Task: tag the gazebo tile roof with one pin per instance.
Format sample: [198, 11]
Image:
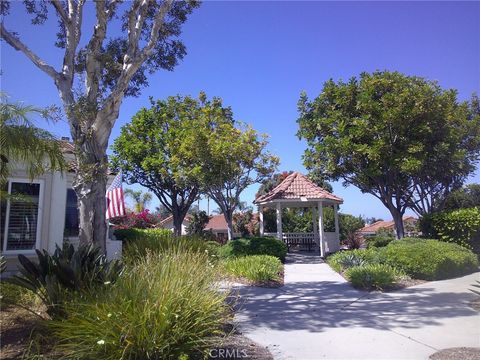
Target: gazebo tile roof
[295, 187]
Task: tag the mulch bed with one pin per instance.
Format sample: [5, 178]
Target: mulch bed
[237, 346]
[463, 353]
[16, 324]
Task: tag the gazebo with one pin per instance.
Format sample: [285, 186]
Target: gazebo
[296, 190]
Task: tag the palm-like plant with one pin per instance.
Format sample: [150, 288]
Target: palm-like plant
[21, 141]
[141, 199]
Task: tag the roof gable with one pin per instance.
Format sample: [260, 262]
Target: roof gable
[295, 187]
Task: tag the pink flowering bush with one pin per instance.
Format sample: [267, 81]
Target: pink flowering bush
[141, 220]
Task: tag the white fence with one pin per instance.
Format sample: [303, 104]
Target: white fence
[331, 240]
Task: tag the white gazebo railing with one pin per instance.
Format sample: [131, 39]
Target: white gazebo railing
[310, 241]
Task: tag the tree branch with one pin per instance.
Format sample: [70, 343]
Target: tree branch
[18, 45]
[93, 70]
[61, 11]
[111, 106]
[73, 33]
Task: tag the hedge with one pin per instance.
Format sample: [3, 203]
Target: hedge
[127, 235]
[254, 246]
[460, 226]
[424, 259]
[429, 259]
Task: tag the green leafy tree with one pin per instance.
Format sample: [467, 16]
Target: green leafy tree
[347, 223]
[400, 138]
[112, 58]
[232, 157]
[140, 198]
[22, 142]
[466, 197]
[149, 150]
[198, 221]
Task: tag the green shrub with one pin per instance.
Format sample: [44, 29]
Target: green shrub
[257, 268]
[372, 276]
[56, 278]
[379, 241]
[161, 243]
[342, 260]
[165, 306]
[254, 246]
[460, 226]
[430, 259]
[127, 235]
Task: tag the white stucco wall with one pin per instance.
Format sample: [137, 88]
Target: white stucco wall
[58, 202]
[169, 225]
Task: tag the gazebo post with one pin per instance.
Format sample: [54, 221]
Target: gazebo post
[315, 224]
[337, 227]
[320, 228]
[260, 218]
[279, 221]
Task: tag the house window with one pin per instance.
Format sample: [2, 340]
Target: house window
[20, 216]
[71, 214]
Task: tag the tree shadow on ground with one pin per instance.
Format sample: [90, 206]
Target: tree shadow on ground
[318, 306]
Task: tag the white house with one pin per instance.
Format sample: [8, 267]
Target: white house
[167, 223]
[49, 218]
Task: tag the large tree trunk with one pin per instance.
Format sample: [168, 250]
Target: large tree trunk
[90, 187]
[398, 220]
[177, 223]
[229, 219]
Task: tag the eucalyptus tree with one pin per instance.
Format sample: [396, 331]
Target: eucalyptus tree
[401, 138]
[128, 40]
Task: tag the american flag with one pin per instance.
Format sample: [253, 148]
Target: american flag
[115, 200]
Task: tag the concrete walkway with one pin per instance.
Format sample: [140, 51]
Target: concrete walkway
[318, 315]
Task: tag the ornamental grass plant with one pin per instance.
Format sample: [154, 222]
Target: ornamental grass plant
[259, 269]
[166, 305]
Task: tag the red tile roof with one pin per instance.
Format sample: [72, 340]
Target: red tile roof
[217, 222]
[296, 186]
[383, 225]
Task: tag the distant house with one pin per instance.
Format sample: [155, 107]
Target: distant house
[409, 223]
[167, 223]
[217, 225]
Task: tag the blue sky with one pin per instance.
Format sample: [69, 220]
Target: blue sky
[259, 56]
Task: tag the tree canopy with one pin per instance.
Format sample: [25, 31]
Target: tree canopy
[229, 157]
[463, 198]
[401, 138]
[149, 150]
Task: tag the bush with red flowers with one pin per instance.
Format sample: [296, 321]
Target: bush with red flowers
[141, 220]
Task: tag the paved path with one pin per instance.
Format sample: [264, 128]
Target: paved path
[317, 315]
